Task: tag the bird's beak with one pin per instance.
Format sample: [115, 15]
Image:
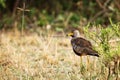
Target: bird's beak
[70, 34]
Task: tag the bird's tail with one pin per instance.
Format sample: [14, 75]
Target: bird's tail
[94, 54]
[91, 52]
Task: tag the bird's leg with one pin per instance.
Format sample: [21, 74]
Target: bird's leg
[81, 60]
[94, 62]
[81, 64]
[87, 63]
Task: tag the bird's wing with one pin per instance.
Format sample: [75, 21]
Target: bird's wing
[79, 45]
[82, 42]
[83, 47]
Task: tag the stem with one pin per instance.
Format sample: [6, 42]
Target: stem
[23, 20]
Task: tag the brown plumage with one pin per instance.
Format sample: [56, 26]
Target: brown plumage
[81, 46]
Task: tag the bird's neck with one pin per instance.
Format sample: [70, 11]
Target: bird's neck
[74, 37]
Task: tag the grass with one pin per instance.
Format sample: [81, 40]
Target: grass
[38, 57]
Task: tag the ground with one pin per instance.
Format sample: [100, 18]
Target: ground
[38, 57]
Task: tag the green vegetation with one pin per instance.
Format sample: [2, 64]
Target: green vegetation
[59, 14]
[107, 41]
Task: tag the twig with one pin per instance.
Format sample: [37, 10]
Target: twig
[99, 3]
[15, 6]
[107, 3]
[97, 15]
[108, 73]
[23, 10]
[105, 9]
[117, 4]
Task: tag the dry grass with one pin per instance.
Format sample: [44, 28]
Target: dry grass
[37, 57]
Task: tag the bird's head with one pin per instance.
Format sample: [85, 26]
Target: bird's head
[75, 33]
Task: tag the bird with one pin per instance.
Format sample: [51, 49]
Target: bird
[81, 46]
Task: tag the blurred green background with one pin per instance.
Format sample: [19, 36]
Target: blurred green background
[57, 14]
